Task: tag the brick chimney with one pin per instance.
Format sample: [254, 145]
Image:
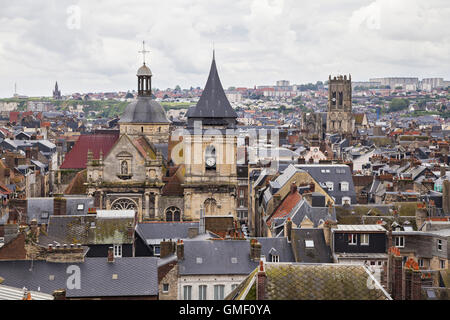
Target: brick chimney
[416, 285]
[180, 250]
[111, 254]
[255, 250]
[166, 248]
[395, 276]
[293, 188]
[288, 229]
[261, 282]
[327, 227]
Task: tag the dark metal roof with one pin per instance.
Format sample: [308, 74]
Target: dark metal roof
[144, 110]
[135, 276]
[213, 105]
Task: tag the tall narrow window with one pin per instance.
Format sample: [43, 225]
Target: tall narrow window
[365, 239]
[219, 290]
[341, 99]
[202, 292]
[117, 251]
[352, 239]
[187, 291]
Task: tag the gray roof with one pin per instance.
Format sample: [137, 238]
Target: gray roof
[213, 106]
[319, 253]
[165, 230]
[317, 215]
[40, 209]
[216, 257]
[144, 110]
[135, 276]
[276, 246]
[332, 176]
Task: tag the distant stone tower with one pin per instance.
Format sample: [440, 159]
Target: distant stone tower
[56, 92]
[339, 113]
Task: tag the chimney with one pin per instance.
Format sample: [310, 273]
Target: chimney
[166, 248]
[130, 231]
[261, 282]
[111, 254]
[288, 229]
[395, 276]
[180, 250]
[327, 227]
[59, 294]
[294, 188]
[416, 285]
[192, 232]
[255, 250]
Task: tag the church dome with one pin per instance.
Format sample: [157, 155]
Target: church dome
[144, 71]
[144, 110]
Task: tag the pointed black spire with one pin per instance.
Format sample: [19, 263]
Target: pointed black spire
[213, 108]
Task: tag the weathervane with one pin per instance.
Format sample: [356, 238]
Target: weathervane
[143, 51]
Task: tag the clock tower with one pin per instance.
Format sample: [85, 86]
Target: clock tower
[210, 153]
[339, 113]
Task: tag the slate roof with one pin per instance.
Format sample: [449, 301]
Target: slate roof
[90, 230]
[276, 246]
[216, 257]
[135, 276]
[39, 209]
[144, 110]
[294, 281]
[213, 106]
[77, 157]
[319, 253]
[165, 230]
[322, 177]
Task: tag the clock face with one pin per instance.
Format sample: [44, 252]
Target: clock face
[210, 162]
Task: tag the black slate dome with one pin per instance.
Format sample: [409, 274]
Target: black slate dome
[144, 110]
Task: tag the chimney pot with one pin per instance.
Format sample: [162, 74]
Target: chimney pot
[111, 254]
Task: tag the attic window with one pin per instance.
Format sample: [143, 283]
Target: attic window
[309, 243]
[199, 260]
[115, 276]
[44, 215]
[233, 260]
[51, 277]
[92, 225]
[80, 206]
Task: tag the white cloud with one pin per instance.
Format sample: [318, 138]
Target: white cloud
[257, 42]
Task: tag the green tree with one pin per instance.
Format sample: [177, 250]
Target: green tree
[398, 104]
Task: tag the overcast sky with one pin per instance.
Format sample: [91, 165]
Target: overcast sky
[92, 46]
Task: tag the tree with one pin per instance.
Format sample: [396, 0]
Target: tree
[398, 104]
[177, 88]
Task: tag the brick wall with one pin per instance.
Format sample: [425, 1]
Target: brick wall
[15, 249]
[168, 274]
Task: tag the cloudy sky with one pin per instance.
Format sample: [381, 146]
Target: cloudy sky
[91, 46]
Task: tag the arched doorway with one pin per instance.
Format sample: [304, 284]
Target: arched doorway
[210, 206]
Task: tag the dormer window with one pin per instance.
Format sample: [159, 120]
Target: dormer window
[330, 185]
[344, 186]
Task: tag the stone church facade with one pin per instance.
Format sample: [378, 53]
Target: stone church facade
[339, 113]
[137, 172]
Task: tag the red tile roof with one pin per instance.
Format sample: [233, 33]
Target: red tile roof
[286, 206]
[77, 157]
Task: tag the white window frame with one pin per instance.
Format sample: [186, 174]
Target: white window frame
[363, 238]
[159, 251]
[117, 251]
[275, 258]
[219, 292]
[330, 185]
[399, 244]
[163, 288]
[187, 292]
[309, 243]
[346, 184]
[202, 292]
[441, 264]
[354, 240]
[421, 263]
[80, 206]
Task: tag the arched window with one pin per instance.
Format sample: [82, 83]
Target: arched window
[123, 204]
[210, 206]
[173, 214]
[210, 158]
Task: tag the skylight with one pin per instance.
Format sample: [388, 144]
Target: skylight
[309, 243]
